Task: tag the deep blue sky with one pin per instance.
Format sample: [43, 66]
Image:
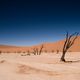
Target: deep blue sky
[29, 22]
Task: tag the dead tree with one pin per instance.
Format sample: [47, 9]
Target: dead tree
[0, 52]
[40, 51]
[28, 52]
[57, 51]
[70, 39]
[36, 51]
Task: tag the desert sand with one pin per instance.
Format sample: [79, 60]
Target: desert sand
[46, 66]
[19, 63]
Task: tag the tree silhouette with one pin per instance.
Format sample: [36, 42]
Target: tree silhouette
[70, 39]
[0, 52]
[40, 51]
[36, 51]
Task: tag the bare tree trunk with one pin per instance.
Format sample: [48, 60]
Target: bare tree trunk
[40, 50]
[37, 51]
[63, 56]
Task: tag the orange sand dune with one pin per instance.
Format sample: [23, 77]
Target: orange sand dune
[49, 47]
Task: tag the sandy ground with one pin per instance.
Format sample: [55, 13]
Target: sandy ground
[39, 67]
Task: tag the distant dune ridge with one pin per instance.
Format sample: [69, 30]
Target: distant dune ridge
[48, 47]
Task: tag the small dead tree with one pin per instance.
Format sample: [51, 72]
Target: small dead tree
[40, 51]
[52, 51]
[70, 39]
[0, 52]
[57, 51]
[28, 52]
[36, 51]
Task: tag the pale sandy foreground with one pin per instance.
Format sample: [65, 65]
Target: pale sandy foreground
[40, 67]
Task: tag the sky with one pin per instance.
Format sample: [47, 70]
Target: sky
[31, 22]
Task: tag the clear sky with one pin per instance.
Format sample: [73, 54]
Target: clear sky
[29, 22]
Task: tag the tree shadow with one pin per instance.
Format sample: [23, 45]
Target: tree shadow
[72, 61]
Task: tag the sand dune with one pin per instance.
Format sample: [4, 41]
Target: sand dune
[49, 47]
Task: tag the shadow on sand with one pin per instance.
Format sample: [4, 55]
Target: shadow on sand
[72, 61]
